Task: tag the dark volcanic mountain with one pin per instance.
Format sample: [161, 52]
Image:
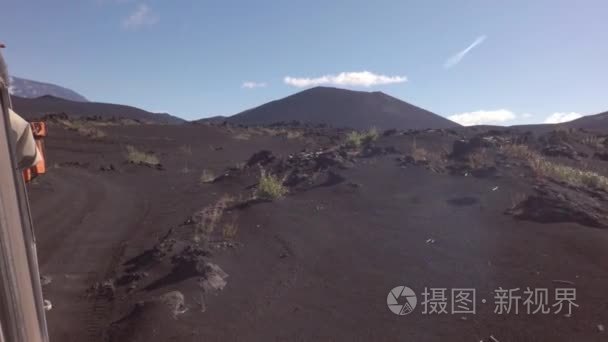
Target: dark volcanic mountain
[343, 108]
[31, 89]
[38, 107]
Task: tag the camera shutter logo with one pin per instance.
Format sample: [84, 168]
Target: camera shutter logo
[401, 300]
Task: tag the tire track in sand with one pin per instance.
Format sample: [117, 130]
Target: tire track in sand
[81, 226]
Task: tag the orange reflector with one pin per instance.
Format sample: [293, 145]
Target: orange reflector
[39, 130]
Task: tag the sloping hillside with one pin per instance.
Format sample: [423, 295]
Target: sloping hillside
[594, 122]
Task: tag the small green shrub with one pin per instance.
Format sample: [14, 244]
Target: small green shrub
[358, 139]
[354, 139]
[371, 135]
[270, 187]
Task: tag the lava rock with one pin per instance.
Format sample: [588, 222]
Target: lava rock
[262, 157]
[551, 205]
[562, 150]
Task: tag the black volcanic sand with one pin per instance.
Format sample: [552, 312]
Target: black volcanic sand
[114, 237]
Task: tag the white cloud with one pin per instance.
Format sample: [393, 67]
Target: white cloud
[483, 117]
[455, 59]
[362, 78]
[562, 117]
[142, 16]
[252, 85]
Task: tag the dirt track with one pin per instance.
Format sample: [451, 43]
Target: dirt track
[89, 217]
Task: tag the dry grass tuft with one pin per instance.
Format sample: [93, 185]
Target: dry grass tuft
[138, 157]
[242, 136]
[480, 159]
[518, 151]
[270, 187]
[207, 177]
[187, 151]
[595, 142]
[208, 218]
[371, 135]
[83, 128]
[420, 154]
[357, 139]
[570, 175]
[294, 134]
[268, 131]
[229, 230]
[558, 172]
[91, 132]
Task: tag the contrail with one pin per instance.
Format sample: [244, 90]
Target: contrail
[459, 56]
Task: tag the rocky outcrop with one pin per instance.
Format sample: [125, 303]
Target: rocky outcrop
[550, 204]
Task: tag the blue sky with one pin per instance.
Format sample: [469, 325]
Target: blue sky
[505, 62]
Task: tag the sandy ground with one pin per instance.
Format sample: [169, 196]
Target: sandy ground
[316, 265]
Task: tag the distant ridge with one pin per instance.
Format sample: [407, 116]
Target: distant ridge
[38, 107]
[31, 89]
